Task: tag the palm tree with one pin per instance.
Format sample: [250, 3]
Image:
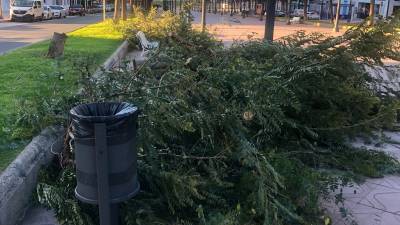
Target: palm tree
[270, 20]
[336, 26]
[371, 12]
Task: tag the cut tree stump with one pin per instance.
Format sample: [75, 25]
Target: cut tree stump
[56, 48]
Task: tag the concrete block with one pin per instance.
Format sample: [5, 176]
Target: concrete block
[19, 180]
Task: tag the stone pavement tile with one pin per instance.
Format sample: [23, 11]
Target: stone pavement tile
[390, 219]
[377, 198]
[394, 136]
[393, 181]
[390, 201]
[39, 216]
[369, 218]
[340, 213]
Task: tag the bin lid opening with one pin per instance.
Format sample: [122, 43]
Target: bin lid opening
[103, 110]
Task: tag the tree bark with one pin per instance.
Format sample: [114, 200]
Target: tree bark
[104, 10]
[116, 10]
[1, 11]
[147, 4]
[371, 12]
[270, 20]
[336, 26]
[287, 13]
[331, 10]
[350, 15]
[56, 48]
[123, 9]
[305, 10]
[203, 15]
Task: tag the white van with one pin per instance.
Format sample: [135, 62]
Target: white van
[29, 10]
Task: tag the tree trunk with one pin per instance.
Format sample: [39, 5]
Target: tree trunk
[203, 15]
[336, 26]
[350, 15]
[287, 13]
[116, 10]
[331, 10]
[305, 10]
[270, 20]
[56, 48]
[147, 4]
[104, 10]
[371, 12]
[130, 6]
[123, 9]
[1, 11]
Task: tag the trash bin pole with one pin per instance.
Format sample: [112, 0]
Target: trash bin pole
[106, 217]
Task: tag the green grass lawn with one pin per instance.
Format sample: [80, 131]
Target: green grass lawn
[26, 72]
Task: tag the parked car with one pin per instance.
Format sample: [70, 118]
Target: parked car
[77, 10]
[29, 10]
[313, 16]
[66, 8]
[58, 11]
[279, 13]
[47, 12]
[298, 12]
[95, 9]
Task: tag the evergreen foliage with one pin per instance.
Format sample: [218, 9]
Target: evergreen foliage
[252, 134]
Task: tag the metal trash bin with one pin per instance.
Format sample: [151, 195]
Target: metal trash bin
[104, 137]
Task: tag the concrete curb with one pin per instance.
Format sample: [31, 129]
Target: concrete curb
[19, 180]
[114, 59]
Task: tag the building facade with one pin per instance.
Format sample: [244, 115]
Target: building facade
[352, 10]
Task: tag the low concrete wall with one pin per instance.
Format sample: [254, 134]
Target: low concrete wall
[114, 60]
[19, 180]
[117, 56]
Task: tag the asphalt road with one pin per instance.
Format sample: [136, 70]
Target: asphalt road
[14, 35]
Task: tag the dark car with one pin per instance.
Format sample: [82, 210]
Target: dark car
[76, 10]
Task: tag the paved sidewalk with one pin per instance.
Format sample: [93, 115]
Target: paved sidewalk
[374, 202]
[229, 28]
[39, 216]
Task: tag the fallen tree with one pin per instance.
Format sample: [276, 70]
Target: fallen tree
[253, 134]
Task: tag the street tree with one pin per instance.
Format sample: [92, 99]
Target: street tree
[1, 11]
[331, 10]
[270, 20]
[203, 15]
[116, 10]
[336, 25]
[287, 13]
[371, 12]
[123, 9]
[305, 9]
